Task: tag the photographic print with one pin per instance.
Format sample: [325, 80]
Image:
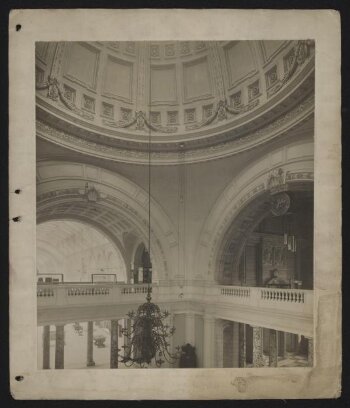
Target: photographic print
[175, 210]
[193, 132]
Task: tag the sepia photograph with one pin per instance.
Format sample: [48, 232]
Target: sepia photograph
[176, 192]
[175, 204]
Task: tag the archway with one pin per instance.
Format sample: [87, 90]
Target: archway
[245, 202]
[110, 203]
[79, 252]
[264, 249]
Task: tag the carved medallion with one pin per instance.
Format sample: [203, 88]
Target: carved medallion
[280, 204]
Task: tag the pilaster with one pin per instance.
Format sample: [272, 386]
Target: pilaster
[258, 360]
[114, 344]
[273, 348]
[46, 347]
[242, 345]
[208, 355]
[90, 344]
[59, 351]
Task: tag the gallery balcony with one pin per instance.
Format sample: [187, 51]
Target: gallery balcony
[288, 310]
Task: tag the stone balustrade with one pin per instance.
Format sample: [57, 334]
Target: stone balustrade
[235, 291]
[290, 309]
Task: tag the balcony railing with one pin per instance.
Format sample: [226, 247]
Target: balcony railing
[279, 306]
[235, 291]
[74, 293]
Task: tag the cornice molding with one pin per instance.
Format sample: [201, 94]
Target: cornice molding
[233, 144]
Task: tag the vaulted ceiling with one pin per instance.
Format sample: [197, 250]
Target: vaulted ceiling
[204, 98]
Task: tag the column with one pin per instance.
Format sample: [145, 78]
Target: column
[208, 346]
[182, 231]
[282, 344]
[114, 344]
[171, 338]
[273, 348]
[190, 328]
[310, 351]
[59, 352]
[258, 360]
[242, 345]
[46, 347]
[90, 345]
[173, 363]
[235, 345]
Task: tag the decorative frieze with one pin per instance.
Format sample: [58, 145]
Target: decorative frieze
[236, 100]
[69, 93]
[293, 61]
[125, 114]
[114, 44]
[208, 111]
[185, 47]
[173, 118]
[130, 47]
[154, 51]
[155, 118]
[57, 94]
[289, 59]
[89, 103]
[276, 179]
[139, 122]
[194, 151]
[107, 110]
[190, 115]
[169, 50]
[199, 45]
[221, 113]
[253, 91]
[271, 77]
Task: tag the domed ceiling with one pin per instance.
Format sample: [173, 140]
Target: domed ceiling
[107, 98]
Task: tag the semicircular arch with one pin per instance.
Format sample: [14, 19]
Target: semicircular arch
[121, 208]
[243, 203]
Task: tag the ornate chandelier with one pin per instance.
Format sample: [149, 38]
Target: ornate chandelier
[147, 339]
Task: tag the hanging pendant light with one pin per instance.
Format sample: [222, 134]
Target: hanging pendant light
[289, 239]
[147, 340]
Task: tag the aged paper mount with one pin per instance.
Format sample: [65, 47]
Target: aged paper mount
[321, 381]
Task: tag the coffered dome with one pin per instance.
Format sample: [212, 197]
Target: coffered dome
[109, 96]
